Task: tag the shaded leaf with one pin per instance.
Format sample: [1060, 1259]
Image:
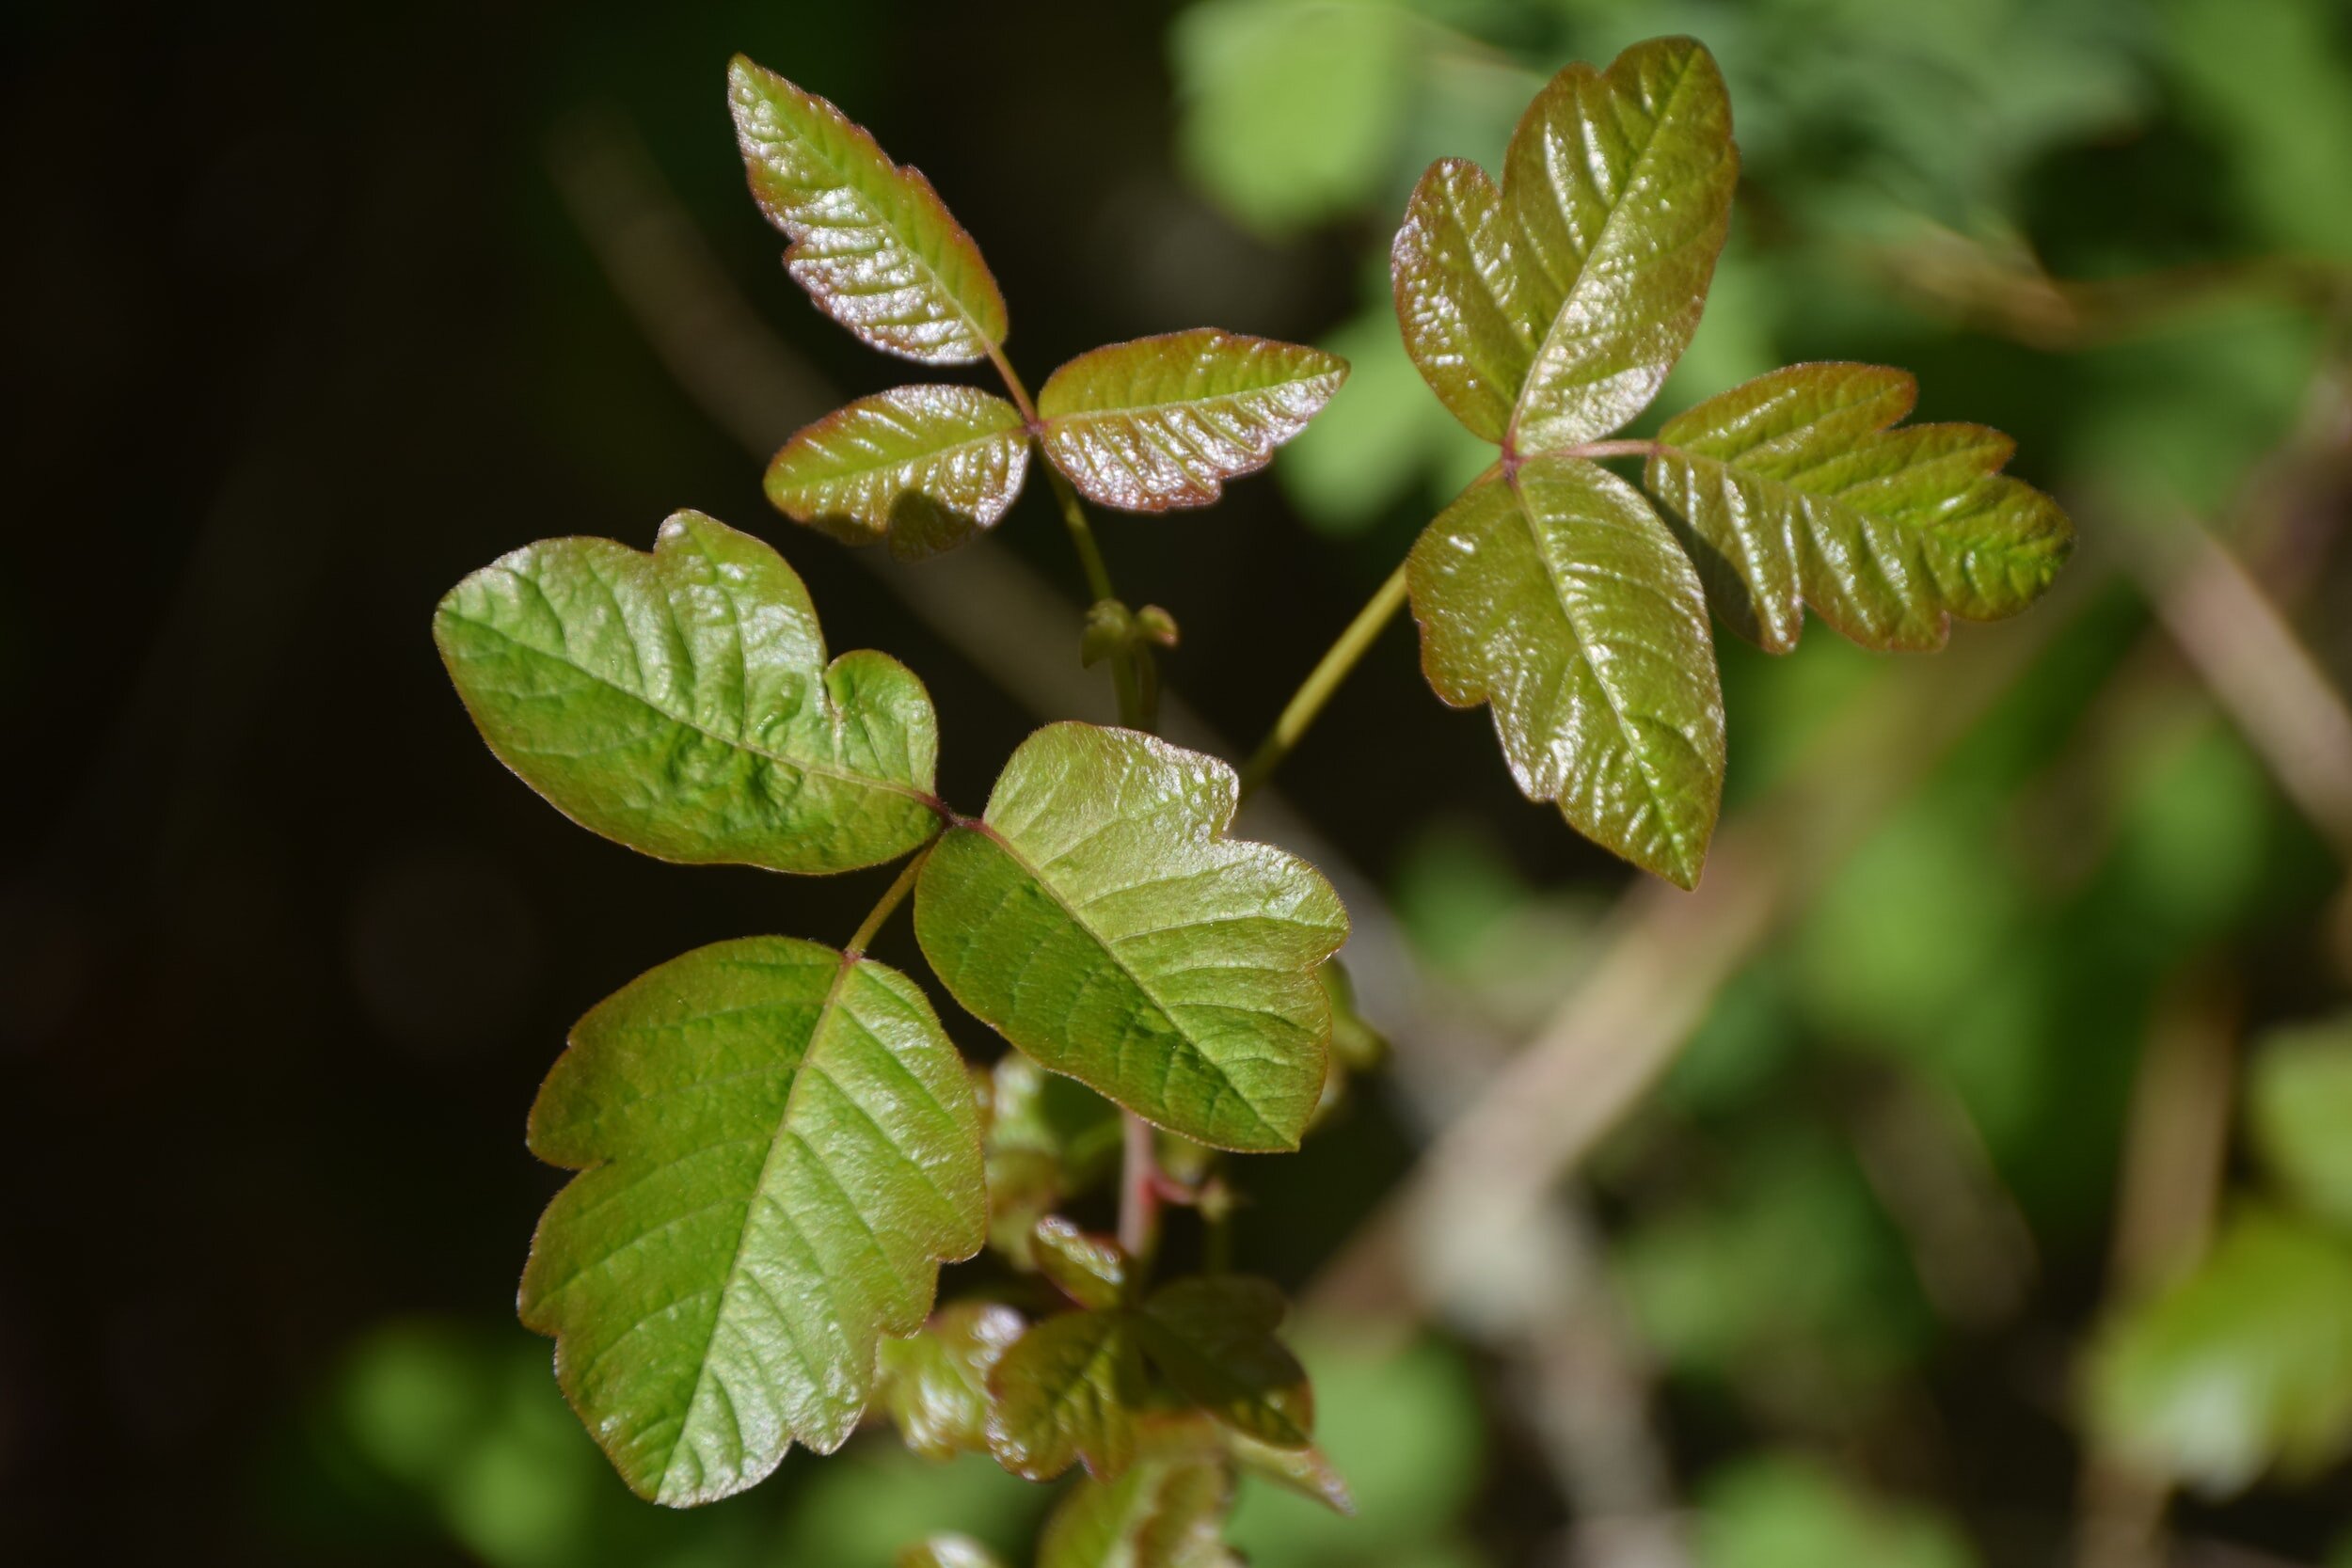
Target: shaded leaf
[871, 241]
[1091, 1270]
[1558, 598]
[1798, 493]
[2244, 1364]
[923, 467]
[935, 1383]
[1355, 1044]
[777, 1146]
[1619, 184]
[1099, 919]
[2299, 1100]
[1307, 1471]
[1166, 1511]
[1548, 310]
[1213, 1336]
[1049, 1138]
[1066, 1392]
[680, 703]
[948, 1551]
[1162, 423]
[1783, 1511]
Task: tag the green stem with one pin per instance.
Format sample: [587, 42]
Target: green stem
[894, 895]
[1306, 704]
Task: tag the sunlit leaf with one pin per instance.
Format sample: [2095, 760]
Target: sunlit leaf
[1557, 597]
[948, 1551]
[1098, 918]
[871, 241]
[1166, 1511]
[923, 467]
[680, 702]
[935, 1383]
[1090, 1270]
[2244, 1364]
[1548, 310]
[1163, 422]
[1213, 1336]
[1068, 1392]
[1799, 493]
[777, 1146]
[2300, 1099]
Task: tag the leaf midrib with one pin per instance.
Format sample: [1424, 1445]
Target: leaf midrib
[994, 835]
[922, 797]
[1608, 227]
[1138, 410]
[1010, 437]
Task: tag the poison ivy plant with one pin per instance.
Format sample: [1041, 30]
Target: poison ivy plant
[778, 1144]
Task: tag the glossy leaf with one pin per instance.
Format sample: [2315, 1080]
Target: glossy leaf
[2244, 1364]
[1619, 184]
[922, 466]
[1558, 598]
[1548, 310]
[777, 1146]
[948, 1551]
[1090, 1270]
[1307, 1471]
[1213, 1336]
[1069, 1392]
[2299, 1101]
[1101, 921]
[1166, 1511]
[1162, 423]
[680, 702]
[935, 1383]
[871, 241]
[1797, 492]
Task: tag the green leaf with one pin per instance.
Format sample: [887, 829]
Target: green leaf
[777, 1146]
[871, 241]
[680, 703]
[923, 467]
[1213, 1336]
[1166, 1511]
[1162, 423]
[948, 1551]
[1548, 310]
[1556, 595]
[1307, 1471]
[2244, 1364]
[1100, 920]
[935, 1383]
[1091, 1270]
[1049, 1138]
[2299, 1100]
[1355, 1044]
[1796, 492]
[1069, 1392]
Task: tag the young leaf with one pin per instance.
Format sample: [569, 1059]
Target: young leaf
[1049, 1138]
[948, 1551]
[680, 703]
[1163, 422]
[777, 1146]
[1213, 1336]
[1168, 1510]
[1068, 1392]
[923, 467]
[1549, 310]
[1556, 595]
[1307, 1471]
[2244, 1364]
[871, 241]
[1799, 493]
[1101, 921]
[935, 1383]
[1090, 1270]
[1619, 184]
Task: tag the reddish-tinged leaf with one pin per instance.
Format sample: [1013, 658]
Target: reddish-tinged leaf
[1213, 1336]
[1556, 595]
[1168, 1510]
[924, 466]
[1162, 423]
[935, 1383]
[1090, 1270]
[871, 241]
[1066, 1392]
[1469, 322]
[1797, 492]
